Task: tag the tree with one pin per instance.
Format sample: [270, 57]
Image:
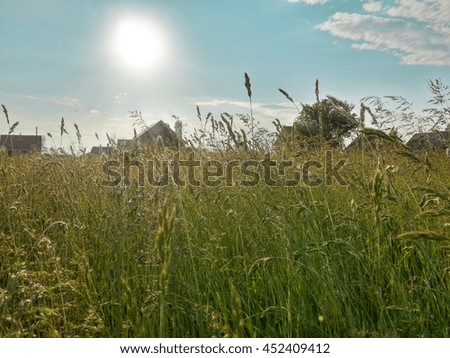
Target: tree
[330, 119]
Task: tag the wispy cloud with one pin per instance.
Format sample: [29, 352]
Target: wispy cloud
[416, 31]
[245, 104]
[224, 102]
[265, 113]
[62, 101]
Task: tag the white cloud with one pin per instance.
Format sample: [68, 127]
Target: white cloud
[310, 2]
[62, 101]
[265, 113]
[434, 13]
[417, 31]
[373, 6]
[244, 104]
[227, 102]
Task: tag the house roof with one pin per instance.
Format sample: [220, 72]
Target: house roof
[439, 140]
[151, 134]
[155, 128]
[21, 143]
[121, 143]
[101, 150]
[369, 140]
[158, 129]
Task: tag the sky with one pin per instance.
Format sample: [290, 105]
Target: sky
[92, 62]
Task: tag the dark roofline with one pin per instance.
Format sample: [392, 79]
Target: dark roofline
[18, 143]
[432, 134]
[21, 135]
[100, 150]
[438, 139]
[153, 126]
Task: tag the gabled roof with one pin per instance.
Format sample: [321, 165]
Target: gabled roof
[122, 143]
[439, 140]
[158, 133]
[375, 139]
[158, 129]
[368, 141]
[101, 150]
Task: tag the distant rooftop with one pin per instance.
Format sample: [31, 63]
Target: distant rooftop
[20, 144]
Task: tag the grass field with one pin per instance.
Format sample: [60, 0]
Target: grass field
[366, 259]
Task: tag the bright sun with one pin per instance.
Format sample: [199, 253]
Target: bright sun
[138, 44]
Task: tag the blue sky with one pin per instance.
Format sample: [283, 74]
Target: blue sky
[61, 58]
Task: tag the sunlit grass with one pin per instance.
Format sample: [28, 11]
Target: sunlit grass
[81, 259]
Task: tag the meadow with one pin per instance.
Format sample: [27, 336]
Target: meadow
[79, 258]
[254, 240]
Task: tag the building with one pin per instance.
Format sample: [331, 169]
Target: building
[21, 144]
[101, 150]
[123, 143]
[367, 142]
[377, 141]
[436, 140]
[159, 134]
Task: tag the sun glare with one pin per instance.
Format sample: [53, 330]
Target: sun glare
[138, 44]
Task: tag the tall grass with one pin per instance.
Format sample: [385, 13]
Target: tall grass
[368, 259]
[80, 259]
